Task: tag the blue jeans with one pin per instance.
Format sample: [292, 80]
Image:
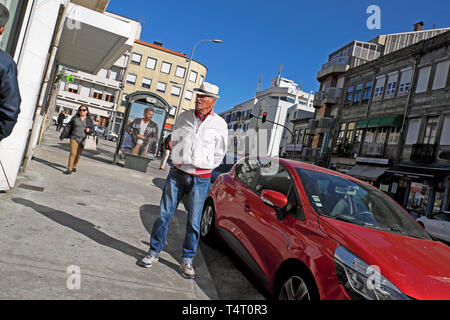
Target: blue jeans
[177, 185]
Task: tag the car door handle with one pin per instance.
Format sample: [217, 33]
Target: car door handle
[247, 208]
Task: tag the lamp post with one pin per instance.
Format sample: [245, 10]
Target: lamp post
[187, 73]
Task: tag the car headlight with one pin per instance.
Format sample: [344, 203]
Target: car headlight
[363, 281]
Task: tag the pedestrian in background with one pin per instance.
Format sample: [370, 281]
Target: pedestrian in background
[60, 122]
[199, 140]
[167, 148]
[10, 99]
[77, 131]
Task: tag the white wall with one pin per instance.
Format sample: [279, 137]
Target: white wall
[31, 65]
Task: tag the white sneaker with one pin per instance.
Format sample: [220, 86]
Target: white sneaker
[148, 261]
[187, 271]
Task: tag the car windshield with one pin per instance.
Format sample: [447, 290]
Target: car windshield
[356, 203]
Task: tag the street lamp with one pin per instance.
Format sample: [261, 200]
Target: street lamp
[187, 73]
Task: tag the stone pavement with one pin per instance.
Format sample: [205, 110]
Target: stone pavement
[98, 220]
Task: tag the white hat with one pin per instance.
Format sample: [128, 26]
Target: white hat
[208, 89]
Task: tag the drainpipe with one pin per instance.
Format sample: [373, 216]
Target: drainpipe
[37, 123]
[405, 114]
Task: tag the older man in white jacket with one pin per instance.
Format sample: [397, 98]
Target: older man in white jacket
[199, 141]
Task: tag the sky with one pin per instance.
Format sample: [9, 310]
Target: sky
[260, 36]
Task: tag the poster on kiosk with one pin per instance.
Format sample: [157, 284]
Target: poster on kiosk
[144, 124]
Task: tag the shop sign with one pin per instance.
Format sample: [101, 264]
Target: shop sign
[372, 160]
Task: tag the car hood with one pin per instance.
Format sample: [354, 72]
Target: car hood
[419, 268]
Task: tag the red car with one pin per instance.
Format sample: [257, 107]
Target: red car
[311, 233]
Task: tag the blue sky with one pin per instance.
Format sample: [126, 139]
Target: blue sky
[259, 36]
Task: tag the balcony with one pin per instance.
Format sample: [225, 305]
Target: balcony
[328, 96]
[325, 124]
[338, 65]
[424, 153]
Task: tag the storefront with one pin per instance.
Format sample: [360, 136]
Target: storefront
[421, 191]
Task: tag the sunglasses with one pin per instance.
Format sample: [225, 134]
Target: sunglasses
[83, 110]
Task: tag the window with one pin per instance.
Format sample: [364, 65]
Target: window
[270, 179]
[381, 136]
[188, 95]
[370, 136]
[131, 78]
[445, 135]
[247, 171]
[109, 97]
[193, 76]
[422, 81]
[357, 95]
[165, 68]
[180, 72]
[379, 89]
[136, 58]
[124, 100]
[392, 85]
[73, 88]
[161, 87]
[413, 131]
[202, 78]
[350, 129]
[349, 94]
[405, 82]
[146, 83]
[358, 136]
[430, 130]
[368, 91]
[440, 77]
[97, 95]
[394, 136]
[176, 91]
[151, 63]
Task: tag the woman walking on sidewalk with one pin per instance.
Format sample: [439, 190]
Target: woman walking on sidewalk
[77, 131]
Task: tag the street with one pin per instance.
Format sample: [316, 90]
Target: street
[97, 222]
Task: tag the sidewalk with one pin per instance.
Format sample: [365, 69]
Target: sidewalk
[99, 220]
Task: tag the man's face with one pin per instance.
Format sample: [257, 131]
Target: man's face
[149, 115]
[204, 104]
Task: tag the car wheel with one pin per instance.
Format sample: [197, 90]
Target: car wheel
[207, 223]
[296, 285]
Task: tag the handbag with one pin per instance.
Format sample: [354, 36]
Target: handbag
[90, 144]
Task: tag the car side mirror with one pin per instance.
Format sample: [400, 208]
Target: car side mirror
[276, 200]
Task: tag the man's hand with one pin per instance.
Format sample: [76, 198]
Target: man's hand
[61, 140]
[87, 130]
[140, 136]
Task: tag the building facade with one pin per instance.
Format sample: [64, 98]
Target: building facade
[42, 35]
[156, 69]
[281, 101]
[394, 132]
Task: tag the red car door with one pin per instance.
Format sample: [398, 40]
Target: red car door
[270, 239]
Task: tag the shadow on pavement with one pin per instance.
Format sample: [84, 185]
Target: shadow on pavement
[53, 165]
[90, 154]
[159, 182]
[84, 227]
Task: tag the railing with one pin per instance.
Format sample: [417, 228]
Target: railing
[326, 123]
[423, 153]
[335, 62]
[375, 150]
[330, 95]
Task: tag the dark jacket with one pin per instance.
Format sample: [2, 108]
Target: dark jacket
[61, 118]
[151, 131]
[9, 95]
[69, 129]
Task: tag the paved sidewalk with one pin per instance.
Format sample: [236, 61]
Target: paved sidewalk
[99, 220]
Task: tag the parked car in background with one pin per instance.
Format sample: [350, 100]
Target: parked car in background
[437, 225]
[99, 131]
[66, 120]
[311, 233]
[112, 136]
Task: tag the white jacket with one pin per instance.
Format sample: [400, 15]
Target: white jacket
[199, 148]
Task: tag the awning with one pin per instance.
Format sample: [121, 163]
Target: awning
[419, 172]
[371, 173]
[392, 121]
[362, 124]
[375, 123]
[91, 40]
